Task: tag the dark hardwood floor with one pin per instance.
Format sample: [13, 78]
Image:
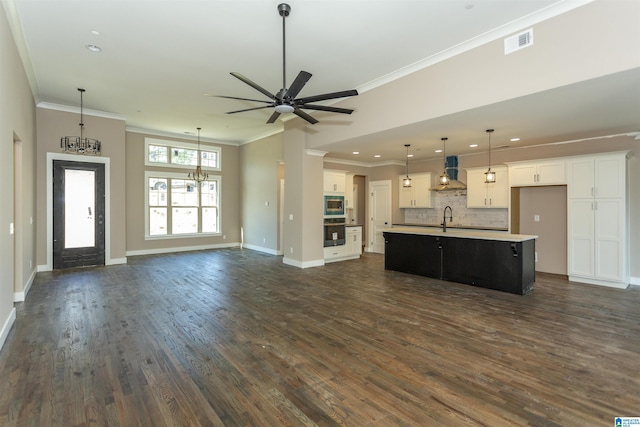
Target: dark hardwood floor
[236, 338]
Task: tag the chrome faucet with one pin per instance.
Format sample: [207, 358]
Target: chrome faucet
[444, 218]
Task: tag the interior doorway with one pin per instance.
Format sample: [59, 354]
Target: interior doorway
[78, 214]
[380, 214]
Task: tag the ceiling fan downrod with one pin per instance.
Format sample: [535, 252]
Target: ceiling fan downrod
[284, 10]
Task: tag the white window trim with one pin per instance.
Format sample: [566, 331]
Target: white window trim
[174, 175]
[180, 144]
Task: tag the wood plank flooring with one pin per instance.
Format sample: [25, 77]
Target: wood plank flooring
[235, 338]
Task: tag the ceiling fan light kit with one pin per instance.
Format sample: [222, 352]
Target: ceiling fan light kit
[285, 101]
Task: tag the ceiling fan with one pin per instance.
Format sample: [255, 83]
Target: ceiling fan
[285, 100]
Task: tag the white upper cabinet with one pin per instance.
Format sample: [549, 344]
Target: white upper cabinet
[334, 181]
[484, 195]
[544, 172]
[601, 176]
[418, 195]
[348, 191]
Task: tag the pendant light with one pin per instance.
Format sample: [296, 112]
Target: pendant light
[198, 176]
[406, 182]
[444, 178]
[80, 144]
[489, 175]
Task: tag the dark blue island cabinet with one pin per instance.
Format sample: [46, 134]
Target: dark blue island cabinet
[504, 262]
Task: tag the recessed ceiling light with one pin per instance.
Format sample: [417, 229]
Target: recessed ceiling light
[409, 155]
[376, 155]
[94, 48]
[438, 151]
[514, 139]
[473, 145]
[95, 32]
[356, 152]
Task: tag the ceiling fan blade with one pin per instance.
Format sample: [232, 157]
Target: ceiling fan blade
[253, 85]
[326, 108]
[242, 99]
[297, 85]
[298, 112]
[326, 96]
[249, 109]
[273, 117]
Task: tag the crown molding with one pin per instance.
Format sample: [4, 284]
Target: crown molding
[88, 112]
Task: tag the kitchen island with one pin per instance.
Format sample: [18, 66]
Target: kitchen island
[493, 260]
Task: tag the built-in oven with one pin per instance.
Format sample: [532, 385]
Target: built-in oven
[333, 205]
[334, 231]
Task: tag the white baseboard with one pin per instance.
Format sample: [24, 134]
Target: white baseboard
[305, 264]
[20, 296]
[635, 281]
[182, 249]
[43, 267]
[116, 261]
[4, 332]
[598, 282]
[260, 249]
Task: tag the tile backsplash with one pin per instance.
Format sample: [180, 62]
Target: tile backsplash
[462, 216]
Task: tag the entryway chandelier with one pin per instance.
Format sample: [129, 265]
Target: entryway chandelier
[198, 176]
[80, 144]
[406, 182]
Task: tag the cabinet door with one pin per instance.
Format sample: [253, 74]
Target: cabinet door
[522, 175]
[421, 194]
[610, 177]
[348, 191]
[498, 192]
[609, 219]
[551, 172]
[334, 182]
[354, 240]
[581, 237]
[405, 194]
[581, 178]
[476, 189]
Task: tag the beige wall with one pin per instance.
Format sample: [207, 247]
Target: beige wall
[230, 194]
[261, 171]
[549, 203]
[52, 125]
[17, 179]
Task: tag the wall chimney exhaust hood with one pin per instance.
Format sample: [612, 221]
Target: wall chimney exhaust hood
[451, 167]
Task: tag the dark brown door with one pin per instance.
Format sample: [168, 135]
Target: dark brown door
[78, 214]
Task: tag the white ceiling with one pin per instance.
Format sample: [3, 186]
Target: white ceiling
[159, 59]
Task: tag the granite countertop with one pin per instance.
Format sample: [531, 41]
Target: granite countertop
[461, 233]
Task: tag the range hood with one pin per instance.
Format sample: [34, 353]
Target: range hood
[451, 166]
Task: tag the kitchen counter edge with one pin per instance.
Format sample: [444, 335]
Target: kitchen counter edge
[462, 234]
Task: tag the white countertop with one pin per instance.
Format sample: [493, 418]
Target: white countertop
[462, 233]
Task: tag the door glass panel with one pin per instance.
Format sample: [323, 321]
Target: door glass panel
[79, 215]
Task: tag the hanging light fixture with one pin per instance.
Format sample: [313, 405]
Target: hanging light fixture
[198, 176]
[444, 178]
[80, 144]
[489, 175]
[406, 182]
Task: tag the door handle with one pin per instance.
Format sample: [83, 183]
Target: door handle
[89, 207]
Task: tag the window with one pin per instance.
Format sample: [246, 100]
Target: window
[178, 207]
[176, 154]
[175, 205]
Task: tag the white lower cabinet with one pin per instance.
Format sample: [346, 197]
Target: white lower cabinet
[352, 249]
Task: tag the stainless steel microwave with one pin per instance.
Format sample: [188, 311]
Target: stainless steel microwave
[334, 205]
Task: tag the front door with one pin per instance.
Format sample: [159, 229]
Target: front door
[78, 214]
[380, 208]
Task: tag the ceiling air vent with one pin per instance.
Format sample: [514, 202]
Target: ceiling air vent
[519, 41]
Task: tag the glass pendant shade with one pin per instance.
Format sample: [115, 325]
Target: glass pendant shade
[198, 176]
[406, 182]
[489, 175]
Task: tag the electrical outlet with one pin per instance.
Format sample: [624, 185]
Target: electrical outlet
[11, 228]
[536, 218]
[290, 217]
[290, 250]
[224, 237]
[264, 240]
[266, 203]
[536, 256]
